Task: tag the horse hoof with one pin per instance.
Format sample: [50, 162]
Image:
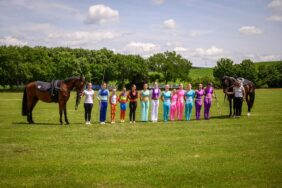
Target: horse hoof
[249, 114]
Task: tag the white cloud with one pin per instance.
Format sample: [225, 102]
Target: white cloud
[158, 1]
[8, 40]
[169, 24]
[250, 30]
[101, 14]
[180, 49]
[276, 5]
[141, 48]
[276, 18]
[78, 38]
[276, 8]
[212, 51]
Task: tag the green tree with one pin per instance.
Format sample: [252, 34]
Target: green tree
[223, 68]
[173, 66]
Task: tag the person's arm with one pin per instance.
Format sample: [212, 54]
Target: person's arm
[98, 95]
[162, 97]
[141, 96]
[244, 93]
[110, 99]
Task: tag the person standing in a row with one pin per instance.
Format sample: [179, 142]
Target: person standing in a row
[208, 92]
[166, 97]
[189, 98]
[180, 101]
[113, 102]
[145, 103]
[122, 100]
[103, 94]
[173, 106]
[88, 103]
[132, 96]
[199, 101]
[156, 92]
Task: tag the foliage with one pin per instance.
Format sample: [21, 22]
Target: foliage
[171, 65]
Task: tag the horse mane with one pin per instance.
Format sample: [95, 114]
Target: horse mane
[72, 78]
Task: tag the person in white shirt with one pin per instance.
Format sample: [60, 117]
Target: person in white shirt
[239, 95]
[88, 103]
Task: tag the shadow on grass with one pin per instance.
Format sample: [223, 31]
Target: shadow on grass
[25, 123]
[220, 117]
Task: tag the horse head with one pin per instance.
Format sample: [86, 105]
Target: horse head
[79, 87]
[227, 83]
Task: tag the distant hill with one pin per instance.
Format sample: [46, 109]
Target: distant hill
[267, 63]
[198, 72]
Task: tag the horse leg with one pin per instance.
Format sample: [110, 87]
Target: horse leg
[61, 112]
[65, 114]
[34, 101]
[230, 106]
[248, 103]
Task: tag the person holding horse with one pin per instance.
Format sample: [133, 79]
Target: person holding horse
[155, 94]
[145, 103]
[132, 96]
[166, 97]
[88, 103]
[189, 98]
[209, 94]
[198, 101]
[239, 95]
[103, 95]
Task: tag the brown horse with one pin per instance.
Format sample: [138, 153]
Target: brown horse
[33, 92]
[249, 86]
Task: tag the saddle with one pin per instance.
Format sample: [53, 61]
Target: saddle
[243, 81]
[53, 88]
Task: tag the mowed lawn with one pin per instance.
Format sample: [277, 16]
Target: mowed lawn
[220, 152]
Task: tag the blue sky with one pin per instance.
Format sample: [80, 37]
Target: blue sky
[201, 30]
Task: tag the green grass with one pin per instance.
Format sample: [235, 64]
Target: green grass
[200, 72]
[221, 152]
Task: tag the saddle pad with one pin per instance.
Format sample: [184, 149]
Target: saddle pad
[43, 86]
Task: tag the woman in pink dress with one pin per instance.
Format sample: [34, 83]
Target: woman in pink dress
[180, 101]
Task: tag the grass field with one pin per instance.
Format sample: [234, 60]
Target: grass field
[200, 72]
[220, 152]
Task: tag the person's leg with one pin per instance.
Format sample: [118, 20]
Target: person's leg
[164, 112]
[206, 108]
[134, 110]
[85, 111]
[190, 107]
[142, 111]
[130, 111]
[171, 112]
[181, 111]
[156, 110]
[153, 111]
[147, 104]
[197, 110]
[240, 106]
[105, 105]
[89, 112]
[186, 110]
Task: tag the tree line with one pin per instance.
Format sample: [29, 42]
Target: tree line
[22, 64]
[262, 75]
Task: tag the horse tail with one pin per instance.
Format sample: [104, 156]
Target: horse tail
[252, 98]
[24, 103]
[224, 97]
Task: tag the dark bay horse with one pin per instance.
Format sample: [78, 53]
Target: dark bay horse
[33, 92]
[249, 86]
